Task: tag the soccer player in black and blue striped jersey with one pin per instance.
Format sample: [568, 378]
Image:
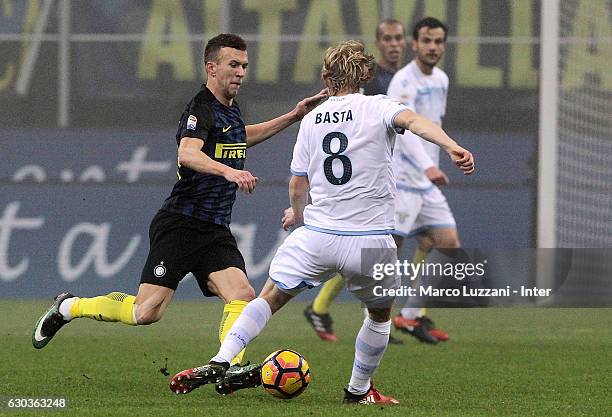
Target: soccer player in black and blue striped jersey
[190, 233]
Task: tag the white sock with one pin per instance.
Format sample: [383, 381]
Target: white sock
[247, 326]
[64, 307]
[410, 312]
[370, 346]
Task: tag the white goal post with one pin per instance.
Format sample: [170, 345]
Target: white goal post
[548, 118]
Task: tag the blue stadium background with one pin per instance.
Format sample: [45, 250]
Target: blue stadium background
[78, 193]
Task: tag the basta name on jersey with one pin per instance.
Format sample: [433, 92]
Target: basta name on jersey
[334, 117]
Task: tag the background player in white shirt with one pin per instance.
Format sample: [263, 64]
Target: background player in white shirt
[342, 157]
[421, 209]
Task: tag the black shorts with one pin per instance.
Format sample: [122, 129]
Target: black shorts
[181, 244]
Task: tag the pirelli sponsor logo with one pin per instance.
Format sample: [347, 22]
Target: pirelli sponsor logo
[230, 150]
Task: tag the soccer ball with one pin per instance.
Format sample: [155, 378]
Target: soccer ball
[285, 374]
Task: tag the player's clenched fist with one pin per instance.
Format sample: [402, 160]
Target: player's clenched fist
[463, 159]
[245, 180]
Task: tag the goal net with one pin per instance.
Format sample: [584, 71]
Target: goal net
[575, 150]
[584, 176]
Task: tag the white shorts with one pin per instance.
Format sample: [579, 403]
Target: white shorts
[308, 258]
[416, 212]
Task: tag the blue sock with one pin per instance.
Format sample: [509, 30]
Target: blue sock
[370, 347]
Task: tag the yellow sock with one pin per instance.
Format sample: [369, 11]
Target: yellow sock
[231, 311]
[112, 307]
[419, 256]
[327, 295]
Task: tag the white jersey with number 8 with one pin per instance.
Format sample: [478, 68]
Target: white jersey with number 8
[345, 147]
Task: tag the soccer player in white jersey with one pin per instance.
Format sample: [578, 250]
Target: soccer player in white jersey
[421, 209]
[419, 200]
[391, 43]
[342, 157]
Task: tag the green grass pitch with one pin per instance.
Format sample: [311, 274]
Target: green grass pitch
[499, 362]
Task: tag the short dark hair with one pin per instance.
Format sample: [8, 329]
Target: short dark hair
[388, 22]
[224, 40]
[428, 22]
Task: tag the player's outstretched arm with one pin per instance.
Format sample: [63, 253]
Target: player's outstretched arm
[190, 155]
[299, 186]
[261, 131]
[431, 132]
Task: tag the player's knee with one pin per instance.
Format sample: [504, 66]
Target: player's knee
[450, 241]
[426, 243]
[247, 294]
[145, 316]
[455, 243]
[244, 292]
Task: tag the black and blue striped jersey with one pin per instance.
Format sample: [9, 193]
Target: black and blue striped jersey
[209, 197]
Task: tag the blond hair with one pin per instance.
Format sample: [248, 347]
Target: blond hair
[347, 66]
